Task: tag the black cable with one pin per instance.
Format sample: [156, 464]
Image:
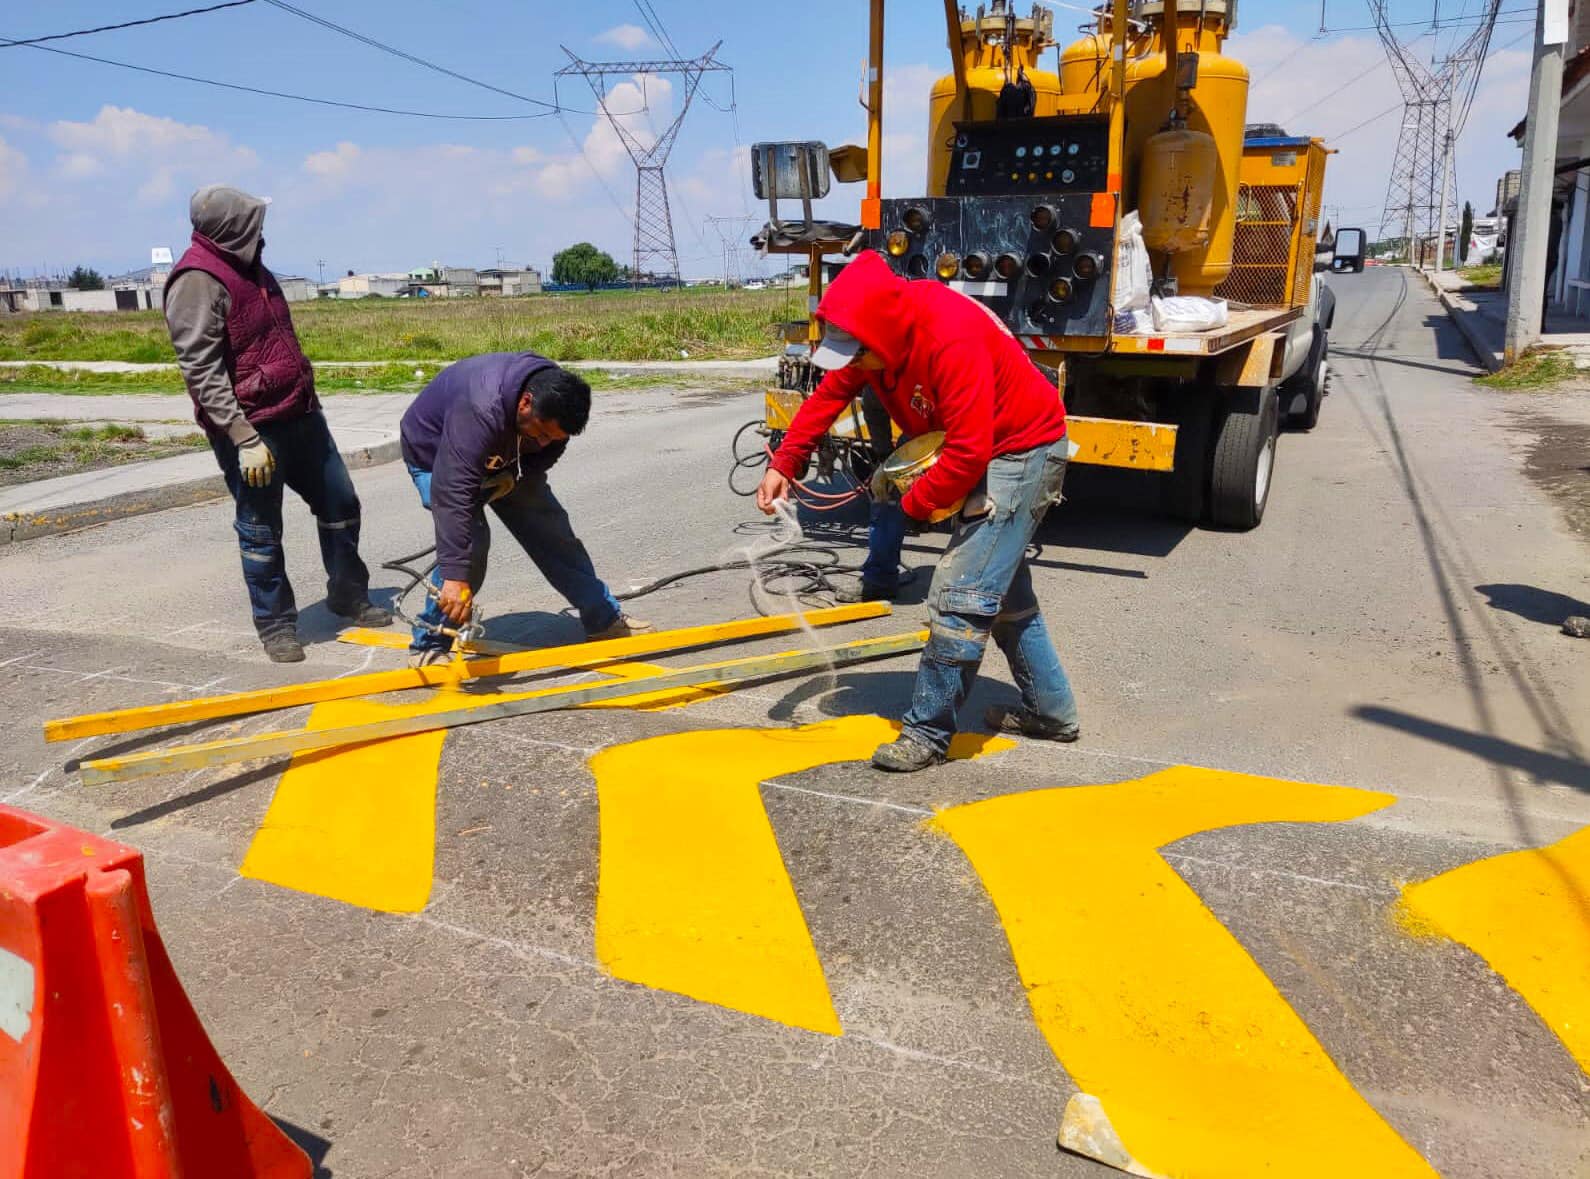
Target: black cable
[130, 24]
[356, 106]
[755, 460]
[409, 57]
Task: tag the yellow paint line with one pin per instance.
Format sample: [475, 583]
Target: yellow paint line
[1190, 1061]
[693, 896]
[650, 701]
[357, 823]
[1527, 913]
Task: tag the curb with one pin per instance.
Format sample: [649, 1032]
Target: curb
[1463, 317]
[19, 526]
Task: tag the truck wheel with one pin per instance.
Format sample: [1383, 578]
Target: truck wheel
[1304, 393]
[1244, 460]
[1182, 489]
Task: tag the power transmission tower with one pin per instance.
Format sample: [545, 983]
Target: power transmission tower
[654, 226]
[1420, 198]
[730, 231]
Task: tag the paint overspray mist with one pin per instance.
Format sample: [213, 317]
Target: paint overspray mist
[787, 532]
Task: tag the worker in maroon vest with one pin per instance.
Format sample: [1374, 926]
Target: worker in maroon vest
[253, 392]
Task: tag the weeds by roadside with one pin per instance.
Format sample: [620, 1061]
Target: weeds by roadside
[1486, 277]
[615, 325]
[40, 448]
[1543, 368]
[409, 377]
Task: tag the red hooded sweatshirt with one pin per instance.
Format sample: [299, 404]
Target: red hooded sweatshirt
[949, 364]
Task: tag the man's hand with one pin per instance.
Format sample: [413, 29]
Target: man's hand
[774, 487]
[256, 462]
[454, 601]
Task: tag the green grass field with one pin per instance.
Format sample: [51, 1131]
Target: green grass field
[706, 323]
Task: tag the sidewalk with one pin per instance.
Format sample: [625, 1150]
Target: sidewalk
[365, 427]
[1482, 318]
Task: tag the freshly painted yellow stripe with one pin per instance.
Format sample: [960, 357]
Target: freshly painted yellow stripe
[1198, 1064]
[1527, 914]
[693, 895]
[358, 823]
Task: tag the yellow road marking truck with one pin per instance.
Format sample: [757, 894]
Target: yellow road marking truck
[1152, 250]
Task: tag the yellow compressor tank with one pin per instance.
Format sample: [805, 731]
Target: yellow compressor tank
[1176, 190]
[1085, 71]
[983, 50]
[1216, 107]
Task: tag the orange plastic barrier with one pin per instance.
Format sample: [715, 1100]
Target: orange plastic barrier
[105, 1070]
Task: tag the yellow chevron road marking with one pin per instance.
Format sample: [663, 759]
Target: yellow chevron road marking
[1191, 1062]
[693, 895]
[1527, 913]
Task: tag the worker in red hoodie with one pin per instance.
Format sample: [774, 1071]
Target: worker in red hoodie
[939, 360]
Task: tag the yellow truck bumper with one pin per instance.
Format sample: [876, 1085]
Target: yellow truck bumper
[1103, 442]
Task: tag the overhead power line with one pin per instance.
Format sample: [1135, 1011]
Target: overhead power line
[409, 57]
[130, 24]
[355, 106]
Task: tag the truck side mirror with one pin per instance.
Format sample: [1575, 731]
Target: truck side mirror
[1350, 250]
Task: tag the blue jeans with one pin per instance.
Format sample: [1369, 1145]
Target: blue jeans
[308, 462]
[535, 518]
[885, 539]
[983, 586]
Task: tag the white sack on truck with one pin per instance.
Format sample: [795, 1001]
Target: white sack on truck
[1189, 313]
[1132, 274]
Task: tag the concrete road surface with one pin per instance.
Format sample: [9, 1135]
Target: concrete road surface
[1227, 964]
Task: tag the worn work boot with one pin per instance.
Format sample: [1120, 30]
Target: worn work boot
[364, 613]
[623, 627]
[905, 755]
[1576, 625]
[283, 647]
[864, 591]
[1029, 724]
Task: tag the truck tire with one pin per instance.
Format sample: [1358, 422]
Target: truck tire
[1183, 490]
[1244, 459]
[1304, 393]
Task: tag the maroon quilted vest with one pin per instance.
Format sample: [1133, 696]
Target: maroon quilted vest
[271, 376]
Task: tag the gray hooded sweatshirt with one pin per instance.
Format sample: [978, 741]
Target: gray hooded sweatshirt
[197, 305]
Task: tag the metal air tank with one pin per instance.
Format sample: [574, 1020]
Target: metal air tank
[1215, 107]
[994, 45]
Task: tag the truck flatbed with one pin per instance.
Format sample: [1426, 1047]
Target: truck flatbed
[1243, 326]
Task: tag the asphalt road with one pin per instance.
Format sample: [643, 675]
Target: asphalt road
[1389, 628]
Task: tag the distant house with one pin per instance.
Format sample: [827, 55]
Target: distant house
[509, 283]
[296, 289]
[362, 286]
[443, 282]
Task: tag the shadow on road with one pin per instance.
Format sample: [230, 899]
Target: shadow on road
[193, 798]
[310, 1143]
[1531, 603]
[1496, 751]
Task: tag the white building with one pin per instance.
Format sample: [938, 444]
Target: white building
[508, 283]
[362, 286]
[1568, 284]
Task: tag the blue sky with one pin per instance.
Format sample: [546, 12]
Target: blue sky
[96, 163]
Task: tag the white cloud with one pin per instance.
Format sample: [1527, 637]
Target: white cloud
[157, 151]
[1314, 88]
[334, 164]
[13, 169]
[624, 36]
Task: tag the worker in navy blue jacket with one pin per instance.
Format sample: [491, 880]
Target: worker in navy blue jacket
[486, 430]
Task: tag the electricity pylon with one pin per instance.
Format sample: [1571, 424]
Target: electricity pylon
[654, 226]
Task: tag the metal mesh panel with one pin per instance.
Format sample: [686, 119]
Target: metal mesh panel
[1313, 194]
[1261, 252]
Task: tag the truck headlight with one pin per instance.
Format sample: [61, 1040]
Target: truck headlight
[916, 219]
[1086, 267]
[1064, 241]
[1060, 290]
[948, 265]
[897, 243]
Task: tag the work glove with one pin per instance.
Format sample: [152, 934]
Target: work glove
[257, 463]
[498, 485]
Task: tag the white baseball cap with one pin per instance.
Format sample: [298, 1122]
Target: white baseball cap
[836, 349]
